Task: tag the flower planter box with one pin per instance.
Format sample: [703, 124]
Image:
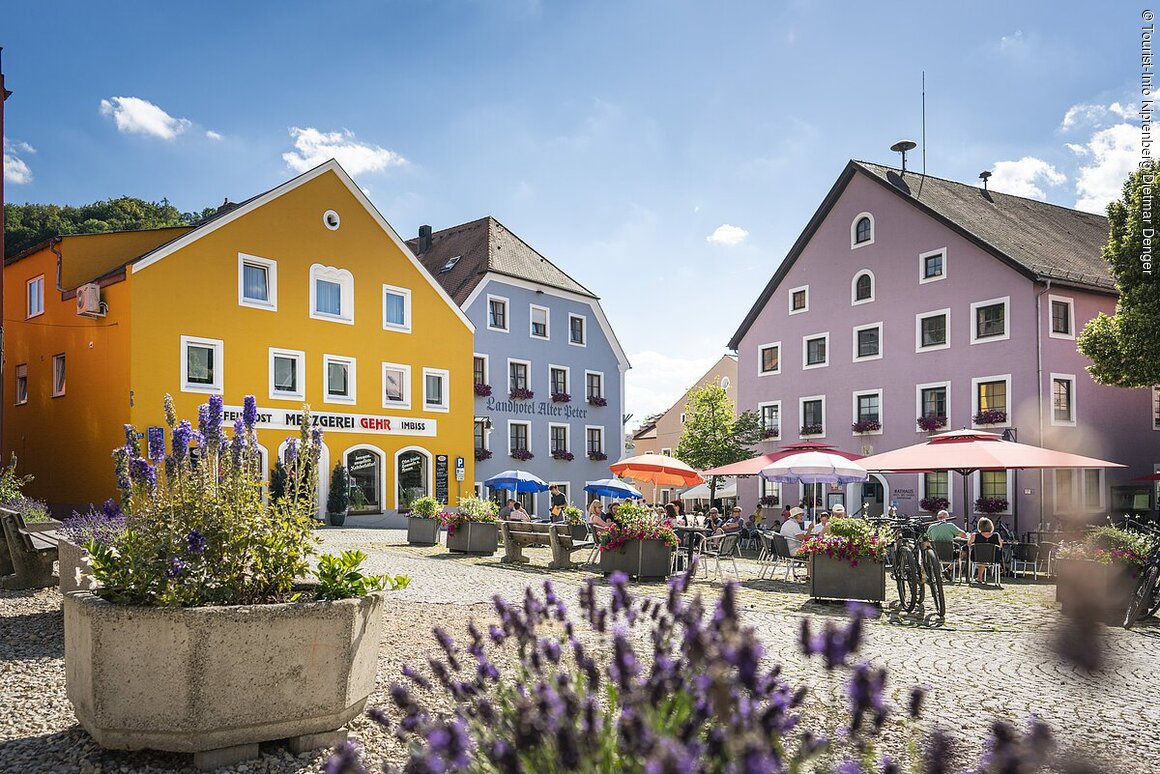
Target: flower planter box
[835, 579]
[1088, 588]
[73, 567]
[638, 559]
[206, 678]
[422, 532]
[474, 537]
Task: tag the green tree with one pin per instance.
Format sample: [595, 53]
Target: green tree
[1125, 348]
[712, 435]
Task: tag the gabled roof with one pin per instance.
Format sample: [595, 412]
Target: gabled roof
[1037, 239]
[483, 246]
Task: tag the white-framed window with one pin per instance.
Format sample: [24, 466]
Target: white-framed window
[497, 313]
[769, 359]
[577, 330]
[932, 330]
[338, 379]
[21, 384]
[477, 489]
[862, 288]
[770, 416]
[58, 374]
[867, 342]
[287, 374]
[201, 364]
[541, 320]
[1092, 480]
[666, 452]
[938, 483]
[593, 439]
[799, 299]
[559, 380]
[993, 484]
[558, 437]
[519, 435]
[482, 433]
[519, 374]
[867, 405]
[769, 489]
[933, 399]
[1156, 408]
[812, 414]
[991, 393]
[1063, 400]
[989, 320]
[861, 230]
[257, 282]
[1064, 490]
[724, 383]
[479, 369]
[815, 350]
[932, 266]
[396, 386]
[396, 309]
[331, 294]
[34, 297]
[593, 384]
[436, 388]
[1061, 311]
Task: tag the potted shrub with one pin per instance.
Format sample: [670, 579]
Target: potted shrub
[574, 518]
[199, 635]
[474, 529]
[338, 499]
[637, 544]
[423, 521]
[848, 562]
[1095, 577]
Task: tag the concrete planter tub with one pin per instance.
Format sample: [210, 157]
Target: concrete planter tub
[638, 559]
[832, 578]
[216, 681]
[422, 532]
[73, 567]
[474, 537]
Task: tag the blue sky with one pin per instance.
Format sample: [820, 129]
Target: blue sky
[666, 154]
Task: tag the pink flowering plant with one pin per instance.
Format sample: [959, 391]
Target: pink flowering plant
[851, 540]
[931, 422]
[483, 390]
[470, 509]
[634, 521]
[1109, 545]
[521, 393]
[991, 417]
[991, 505]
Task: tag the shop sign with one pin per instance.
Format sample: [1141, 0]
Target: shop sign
[541, 408]
[332, 422]
[441, 477]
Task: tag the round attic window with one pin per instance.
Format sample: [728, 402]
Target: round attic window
[331, 219]
[724, 382]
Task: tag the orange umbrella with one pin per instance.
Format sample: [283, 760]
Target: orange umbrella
[656, 469]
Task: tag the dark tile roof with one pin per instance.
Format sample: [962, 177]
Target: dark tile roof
[487, 245]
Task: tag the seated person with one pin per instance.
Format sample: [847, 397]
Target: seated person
[984, 533]
[733, 523]
[599, 520]
[518, 513]
[671, 514]
[944, 529]
[792, 530]
[818, 526]
[750, 528]
[596, 507]
[506, 511]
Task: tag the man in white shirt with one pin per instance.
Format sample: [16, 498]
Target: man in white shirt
[793, 529]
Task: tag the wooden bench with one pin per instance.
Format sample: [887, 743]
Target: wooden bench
[519, 534]
[32, 549]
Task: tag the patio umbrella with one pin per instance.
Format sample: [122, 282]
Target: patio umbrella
[814, 467]
[1153, 477]
[613, 487]
[516, 481]
[967, 451]
[753, 466]
[656, 469]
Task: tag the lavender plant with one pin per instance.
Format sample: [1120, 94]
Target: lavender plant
[101, 525]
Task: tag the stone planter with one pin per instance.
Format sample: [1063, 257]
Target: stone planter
[1085, 588]
[422, 532]
[73, 567]
[216, 681]
[835, 579]
[6, 567]
[474, 537]
[639, 559]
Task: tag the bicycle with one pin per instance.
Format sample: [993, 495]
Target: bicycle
[915, 564]
[1145, 600]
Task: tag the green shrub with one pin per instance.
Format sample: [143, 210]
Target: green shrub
[341, 577]
[10, 483]
[477, 509]
[573, 515]
[338, 499]
[425, 507]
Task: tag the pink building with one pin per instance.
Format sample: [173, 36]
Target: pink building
[909, 296]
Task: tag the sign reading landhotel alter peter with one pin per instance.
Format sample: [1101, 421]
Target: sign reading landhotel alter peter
[278, 419]
[543, 408]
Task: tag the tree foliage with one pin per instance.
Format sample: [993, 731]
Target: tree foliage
[26, 225]
[1125, 348]
[712, 435]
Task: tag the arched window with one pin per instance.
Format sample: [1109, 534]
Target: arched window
[862, 230]
[365, 466]
[864, 287]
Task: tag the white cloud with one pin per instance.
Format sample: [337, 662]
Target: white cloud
[1096, 115]
[16, 169]
[656, 381]
[138, 116]
[1009, 42]
[211, 134]
[1023, 177]
[727, 235]
[313, 147]
[1112, 155]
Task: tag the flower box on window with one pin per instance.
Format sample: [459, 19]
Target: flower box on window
[934, 504]
[866, 426]
[768, 501]
[561, 397]
[991, 505]
[521, 393]
[770, 433]
[482, 454]
[991, 417]
[811, 430]
[597, 456]
[563, 454]
[483, 390]
[522, 454]
[931, 422]
[596, 400]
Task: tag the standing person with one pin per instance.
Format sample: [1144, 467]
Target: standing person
[558, 502]
[785, 514]
[984, 533]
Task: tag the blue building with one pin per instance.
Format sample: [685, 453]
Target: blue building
[549, 371]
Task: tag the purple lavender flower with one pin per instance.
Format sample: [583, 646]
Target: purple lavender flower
[182, 434]
[141, 472]
[203, 419]
[238, 442]
[250, 411]
[195, 543]
[156, 437]
[346, 759]
[121, 457]
[291, 449]
[131, 440]
[170, 414]
[176, 567]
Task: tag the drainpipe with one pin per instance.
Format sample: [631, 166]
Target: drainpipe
[1039, 379]
[52, 243]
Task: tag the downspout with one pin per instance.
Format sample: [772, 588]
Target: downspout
[52, 243]
[1039, 380]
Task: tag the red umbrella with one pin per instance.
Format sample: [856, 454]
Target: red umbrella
[752, 467]
[1153, 477]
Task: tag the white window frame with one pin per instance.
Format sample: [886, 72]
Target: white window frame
[271, 268]
[802, 415]
[918, 388]
[780, 418]
[406, 294]
[1084, 489]
[881, 410]
[345, 280]
[59, 379]
[854, 301]
[1006, 334]
[218, 346]
[600, 429]
[443, 374]
[485, 422]
[526, 424]
[975, 382]
[881, 341]
[1073, 495]
[567, 436]
[38, 283]
[760, 349]
[922, 278]
[1051, 400]
[583, 327]
[666, 452]
[789, 300]
[405, 403]
[918, 318]
[507, 314]
[854, 243]
[922, 495]
[977, 489]
[1070, 317]
[352, 367]
[603, 392]
[567, 378]
[21, 372]
[289, 354]
[527, 364]
[806, 366]
[532, 309]
[486, 368]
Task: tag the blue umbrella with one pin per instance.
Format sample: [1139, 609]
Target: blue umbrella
[517, 481]
[612, 487]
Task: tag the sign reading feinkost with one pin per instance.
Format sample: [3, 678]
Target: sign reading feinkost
[282, 419]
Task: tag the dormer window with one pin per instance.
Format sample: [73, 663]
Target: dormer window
[862, 230]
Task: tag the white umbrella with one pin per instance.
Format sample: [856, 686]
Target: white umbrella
[814, 467]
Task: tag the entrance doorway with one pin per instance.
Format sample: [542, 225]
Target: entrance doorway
[873, 496]
[412, 474]
[365, 467]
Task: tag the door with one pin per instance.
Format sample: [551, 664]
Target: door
[873, 497]
[412, 478]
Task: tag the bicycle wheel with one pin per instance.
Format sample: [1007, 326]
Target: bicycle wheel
[898, 570]
[913, 582]
[1142, 596]
[933, 571]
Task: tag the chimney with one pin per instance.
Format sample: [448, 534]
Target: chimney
[424, 239]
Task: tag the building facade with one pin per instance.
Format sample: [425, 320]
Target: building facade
[548, 371]
[301, 295]
[910, 297]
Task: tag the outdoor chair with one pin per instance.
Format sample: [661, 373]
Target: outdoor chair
[1048, 551]
[749, 540]
[987, 556]
[948, 558]
[767, 558]
[1024, 556]
[716, 548]
[786, 556]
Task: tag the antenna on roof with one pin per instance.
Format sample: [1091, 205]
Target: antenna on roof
[983, 176]
[924, 123]
[902, 146]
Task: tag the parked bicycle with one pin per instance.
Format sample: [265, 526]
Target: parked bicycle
[915, 564]
[1145, 600]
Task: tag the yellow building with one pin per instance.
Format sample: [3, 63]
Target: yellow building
[303, 294]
